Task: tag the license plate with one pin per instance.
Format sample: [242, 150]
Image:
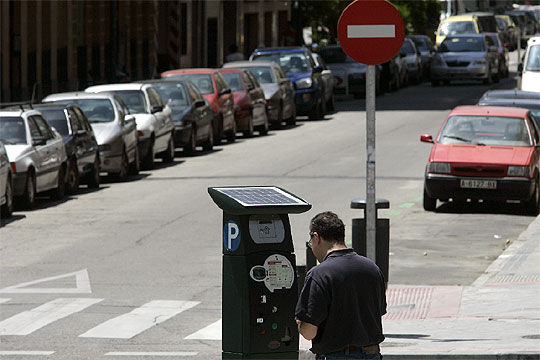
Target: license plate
[478, 184]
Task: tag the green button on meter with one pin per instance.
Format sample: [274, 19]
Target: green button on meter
[274, 326]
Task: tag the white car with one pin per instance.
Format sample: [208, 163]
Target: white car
[153, 118]
[114, 129]
[6, 183]
[530, 69]
[36, 153]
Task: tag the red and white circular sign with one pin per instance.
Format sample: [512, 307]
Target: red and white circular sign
[371, 31]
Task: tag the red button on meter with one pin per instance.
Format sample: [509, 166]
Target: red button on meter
[371, 31]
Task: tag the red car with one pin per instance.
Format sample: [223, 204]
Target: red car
[484, 152]
[249, 101]
[217, 92]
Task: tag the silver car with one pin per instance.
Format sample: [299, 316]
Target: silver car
[36, 153]
[113, 126]
[6, 184]
[465, 57]
[153, 118]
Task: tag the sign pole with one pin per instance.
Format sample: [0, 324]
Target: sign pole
[371, 211]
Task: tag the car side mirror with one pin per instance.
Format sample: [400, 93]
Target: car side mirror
[225, 91]
[39, 141]
[426, 138]
[318, 69]
[156, 108]
[199, 103]
[520, 69]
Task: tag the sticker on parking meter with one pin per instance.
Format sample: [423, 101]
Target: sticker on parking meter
[280, 273]
[231, 236]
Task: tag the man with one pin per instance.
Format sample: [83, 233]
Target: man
[343, 299]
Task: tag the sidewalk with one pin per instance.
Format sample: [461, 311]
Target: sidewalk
[497, 317]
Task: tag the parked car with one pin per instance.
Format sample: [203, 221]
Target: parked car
[457, 25]
[191, 114]
[521, 28]
[80, 143]
[328, 80]
[114, 128]
[350, 76]
[249, 101]
[217, 91]
[413, 57]
[484, 153]
[401, 68]
[504, 58]
[507, 31]
[6, 184]
[153, 118]
[465, 57]
[278, 90]
[529, 70]
[514, 98]
[427, 51]
[527, 22]
[306, 76]
[36, 153]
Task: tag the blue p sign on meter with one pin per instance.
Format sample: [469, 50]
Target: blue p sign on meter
[231, 236]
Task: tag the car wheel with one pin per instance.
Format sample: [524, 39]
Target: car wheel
[7, 208]
[168, 155]
[489, 79]
[249, 132]
[231, 135]
[430, 204]
[93, 176]
[331, 104]
[135, 165]
[148, 161]
[291, 121]
[29, 196]
[263, 129]
[72, 180]
[279, 122]
[532, 206]
[209, 144]
[124, 168]
[316, 113]
[60, 190]
[191, 146]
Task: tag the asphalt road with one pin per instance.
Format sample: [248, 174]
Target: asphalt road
[73, 273]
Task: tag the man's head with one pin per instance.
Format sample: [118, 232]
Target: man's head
[329, 226]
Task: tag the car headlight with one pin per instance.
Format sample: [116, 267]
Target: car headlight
[480, 62]
[519, 171]
[439, 167]
[304, 83]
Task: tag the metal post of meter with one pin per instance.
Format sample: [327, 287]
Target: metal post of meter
[371, 212]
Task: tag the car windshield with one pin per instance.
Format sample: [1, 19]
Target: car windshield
[134, 100]
[533, 59]
[234, 81]
[57, 119]
[290, 62]
[495, 39]
[12, 130]
[408, 48]
[457, 27]
[96, 110]
[202, 81]
[173, 94]
[263, 74]
[485, 130]
[462, 44]
[420, 44]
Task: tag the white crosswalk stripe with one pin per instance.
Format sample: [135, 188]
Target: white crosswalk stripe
[210, 332]
[29, 321]
[128, 325]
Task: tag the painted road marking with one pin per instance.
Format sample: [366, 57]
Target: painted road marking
[82, 283]
[29, 321]
[150, 314]
[134, 353]
[371, 31]
[211, 332]
[26, 353]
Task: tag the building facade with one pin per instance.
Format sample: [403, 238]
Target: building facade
[67, 45]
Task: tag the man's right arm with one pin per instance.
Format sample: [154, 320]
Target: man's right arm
[307, 330]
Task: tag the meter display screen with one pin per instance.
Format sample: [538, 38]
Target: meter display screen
[266, 229]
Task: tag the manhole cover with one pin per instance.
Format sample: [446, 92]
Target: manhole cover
[532, 337]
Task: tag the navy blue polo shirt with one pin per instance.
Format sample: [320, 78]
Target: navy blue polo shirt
[345, 298]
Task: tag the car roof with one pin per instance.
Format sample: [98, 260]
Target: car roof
[237, 64]
[290, 49]
[511, 94]
[78, 95]
[462, 17]
[188, 71]
[534, 40]
[18, 112]
[489, 110]
[114, 87]
[52, 105]
[523, 103]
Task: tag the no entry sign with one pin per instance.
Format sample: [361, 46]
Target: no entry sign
[371, 31]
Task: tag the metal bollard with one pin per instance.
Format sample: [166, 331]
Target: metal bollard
[382, 247]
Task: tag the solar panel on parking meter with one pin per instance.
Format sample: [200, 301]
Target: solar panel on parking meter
[259, 272]
[371, 32]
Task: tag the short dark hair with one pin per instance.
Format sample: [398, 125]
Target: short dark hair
[328, 225]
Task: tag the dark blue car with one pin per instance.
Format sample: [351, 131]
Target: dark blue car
[306, 76]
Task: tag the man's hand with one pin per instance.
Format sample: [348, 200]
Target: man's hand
[308, 331]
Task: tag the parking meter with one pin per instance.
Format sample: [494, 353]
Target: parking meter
[260, 289]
